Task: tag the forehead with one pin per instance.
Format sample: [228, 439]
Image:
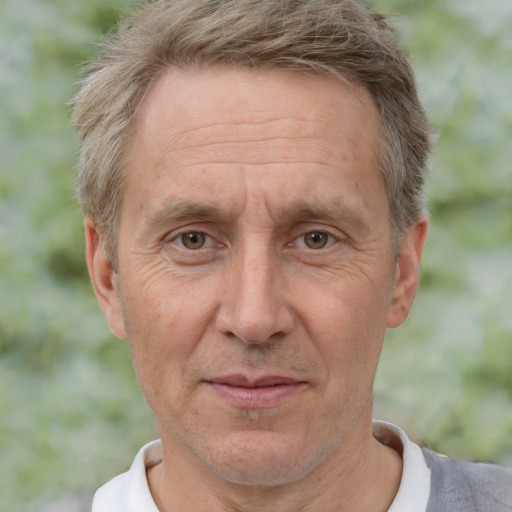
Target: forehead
[206, 129]
[184, 105]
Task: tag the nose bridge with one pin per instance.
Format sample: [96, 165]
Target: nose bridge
[254, 308]
[254, 275]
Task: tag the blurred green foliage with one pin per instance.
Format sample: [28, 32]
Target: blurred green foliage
[71, 413]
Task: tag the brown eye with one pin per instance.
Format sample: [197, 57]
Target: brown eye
[193, 240]
[316, 239]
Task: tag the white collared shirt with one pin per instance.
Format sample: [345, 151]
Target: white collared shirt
[129, 492]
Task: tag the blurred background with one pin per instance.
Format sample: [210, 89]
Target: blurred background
[71, 413]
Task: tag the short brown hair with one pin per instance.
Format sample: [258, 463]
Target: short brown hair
[338, 38]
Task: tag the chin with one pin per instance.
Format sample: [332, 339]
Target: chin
[264, 459]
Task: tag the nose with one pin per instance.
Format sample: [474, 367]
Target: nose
[253, 306]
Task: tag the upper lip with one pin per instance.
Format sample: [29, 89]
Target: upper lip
[254, 382]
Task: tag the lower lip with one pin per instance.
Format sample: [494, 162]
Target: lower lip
[257, 398]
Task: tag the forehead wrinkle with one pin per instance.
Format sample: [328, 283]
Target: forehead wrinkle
[310, 137]
[291, 126]
[307, 150]
[198, 122]
[255, 165]
[252, 141]
[240, 140]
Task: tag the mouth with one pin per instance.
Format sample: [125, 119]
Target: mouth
[258, 393]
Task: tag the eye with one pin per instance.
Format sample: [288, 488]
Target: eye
[193, 239]
[314, 240]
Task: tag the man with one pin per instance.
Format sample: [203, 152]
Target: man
[251, 177]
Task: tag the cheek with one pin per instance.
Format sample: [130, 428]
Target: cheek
[347, 323]
[165, 322]
[161, 304]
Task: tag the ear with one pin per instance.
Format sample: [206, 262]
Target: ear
[407, 272]
[104, 279]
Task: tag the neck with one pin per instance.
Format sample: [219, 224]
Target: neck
[363, 475]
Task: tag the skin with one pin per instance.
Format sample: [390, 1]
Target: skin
[263, 168]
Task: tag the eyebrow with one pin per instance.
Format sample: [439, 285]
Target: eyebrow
[178, 209]
[327, 211]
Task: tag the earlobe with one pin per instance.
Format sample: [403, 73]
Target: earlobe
[103, 279]
[407, 272]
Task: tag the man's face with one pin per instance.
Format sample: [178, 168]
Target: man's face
[255, 276]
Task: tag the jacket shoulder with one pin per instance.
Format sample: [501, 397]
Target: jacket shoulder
[460, 486]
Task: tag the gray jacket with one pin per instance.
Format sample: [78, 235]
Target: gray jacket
[467, 487]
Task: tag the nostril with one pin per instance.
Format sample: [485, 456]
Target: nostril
[256, 340]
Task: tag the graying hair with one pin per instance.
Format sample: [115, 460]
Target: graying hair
[342, 39]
